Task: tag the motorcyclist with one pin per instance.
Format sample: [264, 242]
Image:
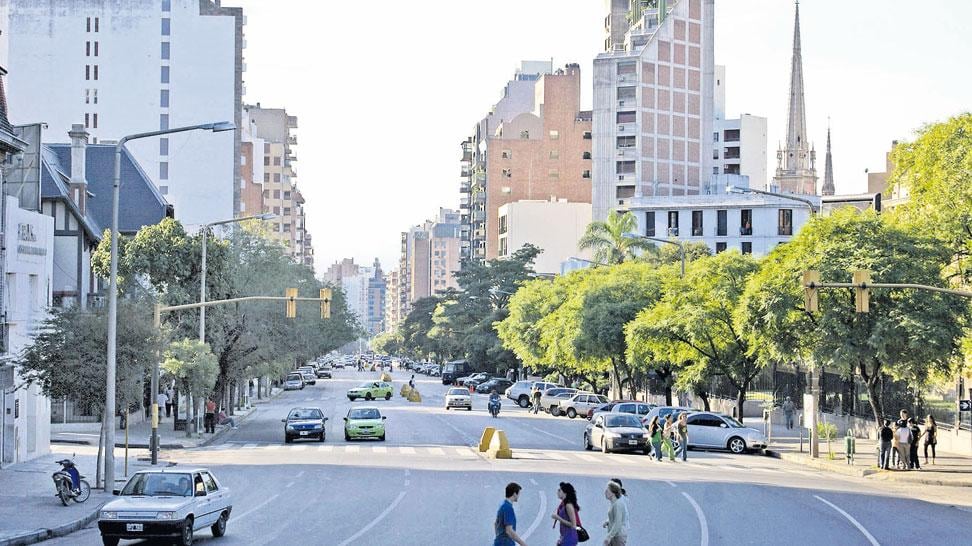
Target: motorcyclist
[494, 400]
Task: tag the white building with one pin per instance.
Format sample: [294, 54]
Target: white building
[553, 226]
[96, 63]
[738, 144]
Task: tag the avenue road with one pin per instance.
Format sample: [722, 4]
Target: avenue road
[427, 484]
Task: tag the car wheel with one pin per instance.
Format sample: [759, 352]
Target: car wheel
[185, 539]
[647, 451]
[219, 528]
[387, 396]
[347, 438]
[351, 398]
[523, 401]
[555, 411]
[322, 437]
[382, 437]
[604, 447]
[587, 442]
[369, 397]
[737, 445]
[447, 408]
[571, 412]
[288, 439]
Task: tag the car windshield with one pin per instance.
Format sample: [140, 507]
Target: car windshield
[364, 413]
[458, 391]
[294, 377]
[733, 422]
[622, 420]
[157, 484]
[305, 414]
[366, 385]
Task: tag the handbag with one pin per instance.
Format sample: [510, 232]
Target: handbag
[582, 534]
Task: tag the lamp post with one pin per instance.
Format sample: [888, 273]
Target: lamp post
[807, 202]
[679, 244]
[109, 417]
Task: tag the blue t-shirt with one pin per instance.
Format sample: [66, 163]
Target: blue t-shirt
[504, 516]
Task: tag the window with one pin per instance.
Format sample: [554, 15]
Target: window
[276, 160]
[266, 160]
[166, 50]
[87, 72]
[88, 28]
[626, 141]
[554, 154]
[731, 168]
[587, 135]
[673, 223]
[164, 146]
[163, 122]
[553, 173]
[747, 247]
[524, 134]
[164, 98]
[276, 210]
[627, 68]
[784, 224]
[625, 167]
[715, 170]
[503, 248]
[626, 93]
[715, 153]
[650, 223]
[96, 49]
[164, 190]
[87, 96]
[276, 194]
[94, 120]
[266, 148]
[166, 5]
[95, 72]
[163, 170]
[627, 117]
[731, 135]
[276, 177]
[210, 482]
[266, 177]
[286, 195]
[94, 96]
[696, 223]
[165, 74]
[166, 26]
[507, 154]
[715, 137]
[720, 247]
[722, 221]
[286, 228]
[746, 222]
[97, 20]
[554, 134]
[286, 211]
[87, 49]
[586, 155]
[508, 173]
[585, 174]
[87, 121]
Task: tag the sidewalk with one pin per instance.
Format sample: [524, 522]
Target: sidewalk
[949, 469]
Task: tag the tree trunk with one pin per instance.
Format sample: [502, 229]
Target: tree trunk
[704, 396]
[740, 403]
[668, 394]
[617, 376]
[875, 400]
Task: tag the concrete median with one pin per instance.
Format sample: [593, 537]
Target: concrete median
[499, 446]
[486, 438]
[414, 396]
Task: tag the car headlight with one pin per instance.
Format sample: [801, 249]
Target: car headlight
[645, 436]
[164, 515]
[108, 514]
[613, 435]
[290, 427]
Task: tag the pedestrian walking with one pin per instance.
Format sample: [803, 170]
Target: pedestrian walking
[903, 443]
[617, 522]
[667, 433]
[411, 382]
[788, 408]
[505, 523]
[169, 397]
[887, 437]
[163, 401]
[567, 515]
[655, 435]
[209, 418]
[681, 433]
[931, 437]
[915, 438]
[536, 399]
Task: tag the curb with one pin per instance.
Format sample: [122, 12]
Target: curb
[40, 535]
[214, 437]
[130, 445]
[871, 473]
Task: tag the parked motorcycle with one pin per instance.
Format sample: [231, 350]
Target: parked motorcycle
[64, 480]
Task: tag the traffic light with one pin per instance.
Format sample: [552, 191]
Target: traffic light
[862, 294]
[811, 294]
[291, 303]
[325, 303]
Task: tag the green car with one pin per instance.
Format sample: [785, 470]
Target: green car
[364, 422]
[371, 391]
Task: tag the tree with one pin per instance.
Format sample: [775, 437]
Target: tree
[608, 242]
[193, 365]
[907, 334]
[389, 343]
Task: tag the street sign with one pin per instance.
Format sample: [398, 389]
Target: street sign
[965, 405]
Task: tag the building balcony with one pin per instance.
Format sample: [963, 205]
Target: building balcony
[291, 122]
[479, 197]
[465, 172]
[478, 215]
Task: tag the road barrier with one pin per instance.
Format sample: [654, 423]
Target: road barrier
[414, 396]
[499, 446]
[385, 376]
[405, 390]
[486, 438]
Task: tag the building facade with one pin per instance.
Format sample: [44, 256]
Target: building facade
[393, 301]
[364, 290]
[653, 103]
[553, 226]
[115, 81]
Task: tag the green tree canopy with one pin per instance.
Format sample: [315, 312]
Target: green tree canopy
[607, 241]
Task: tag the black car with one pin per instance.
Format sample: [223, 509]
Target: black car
[454, 370]
[497, 383]
[304, 423]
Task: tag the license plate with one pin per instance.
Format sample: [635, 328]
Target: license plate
[133, 527]
[632, 442]
[303, 433]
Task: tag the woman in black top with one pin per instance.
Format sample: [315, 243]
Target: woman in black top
[931, 436]
[915, 436]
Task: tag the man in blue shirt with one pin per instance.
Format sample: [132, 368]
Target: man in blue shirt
[505, 525]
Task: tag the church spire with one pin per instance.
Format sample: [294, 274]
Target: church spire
[828, 183]
[796, 172]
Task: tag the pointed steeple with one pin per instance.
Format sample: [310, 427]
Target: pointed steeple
[795, 171]
[828, 183]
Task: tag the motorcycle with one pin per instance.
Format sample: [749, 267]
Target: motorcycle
[64, 480]
[494, 408]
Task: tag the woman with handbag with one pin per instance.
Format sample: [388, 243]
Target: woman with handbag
[568, 516]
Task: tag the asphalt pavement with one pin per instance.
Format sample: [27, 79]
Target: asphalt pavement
[428, 484]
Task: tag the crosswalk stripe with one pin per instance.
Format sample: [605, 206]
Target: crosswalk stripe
[436, 450]
[351, 449]
[324, 448]
[407, 450]
[624, 460]
[273, 446]
[589, 458]
[298, 448]
[250, 446]
[556, 456]
[380, 449]
[464, 452]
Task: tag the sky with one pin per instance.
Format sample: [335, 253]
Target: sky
[386, 90]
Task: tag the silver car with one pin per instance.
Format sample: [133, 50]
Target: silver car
[295, 381]
[616, 432]
[714, 430]
[166, 503]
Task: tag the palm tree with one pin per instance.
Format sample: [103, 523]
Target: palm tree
[607, 238]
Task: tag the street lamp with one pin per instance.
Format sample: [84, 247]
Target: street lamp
[109, 417]
[807, 202]
[679, 244]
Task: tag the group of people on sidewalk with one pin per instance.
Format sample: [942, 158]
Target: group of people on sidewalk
[899, 444]
[211, 417]
[566, 517]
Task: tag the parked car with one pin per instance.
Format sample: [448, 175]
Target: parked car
[521, 391]
[454, 370]
[472, 380]
[662, 411]
[714, 430]
[616, 432]
[294, 381]
[458, 397]
[580, 403]
[166, 503]
[304, 423]
[371, 390]
[308, 374]
[364, 422]
[497, 383]
[633, 407]
[324, 372]
[551, 398]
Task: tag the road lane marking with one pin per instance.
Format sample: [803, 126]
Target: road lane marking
[326, 449]
[299, 474]
[255, 508]
[380, 449]
[298, 448]
[671, 483]
[703, 525]
[351, 449]
[435, 450]
[250, 446]
[586, 457]
[559, 437]
[623, 460]
[868, 536]
[464, 452]
[534, 482]
[375, 521]
[407, 450]
[556, 457]
[540, 513]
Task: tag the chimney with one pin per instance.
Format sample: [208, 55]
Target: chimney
[79, 184]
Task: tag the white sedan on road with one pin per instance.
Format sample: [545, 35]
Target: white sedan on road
[166, 503]
[580, 403]
[713, 430]
[458, 398]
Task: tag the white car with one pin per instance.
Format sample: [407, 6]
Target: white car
[713, 430]
[522, 391]
[580, 403]
[166, 503]
[458, 398]
[551, 398]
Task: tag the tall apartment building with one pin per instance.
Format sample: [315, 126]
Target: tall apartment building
[738, 144]
[430, 258]
[280, 194]
[393, 301]
[364, 290]
[251, 167]
[653, 102]
[96, 63]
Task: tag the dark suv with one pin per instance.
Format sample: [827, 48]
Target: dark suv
[455, 370]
